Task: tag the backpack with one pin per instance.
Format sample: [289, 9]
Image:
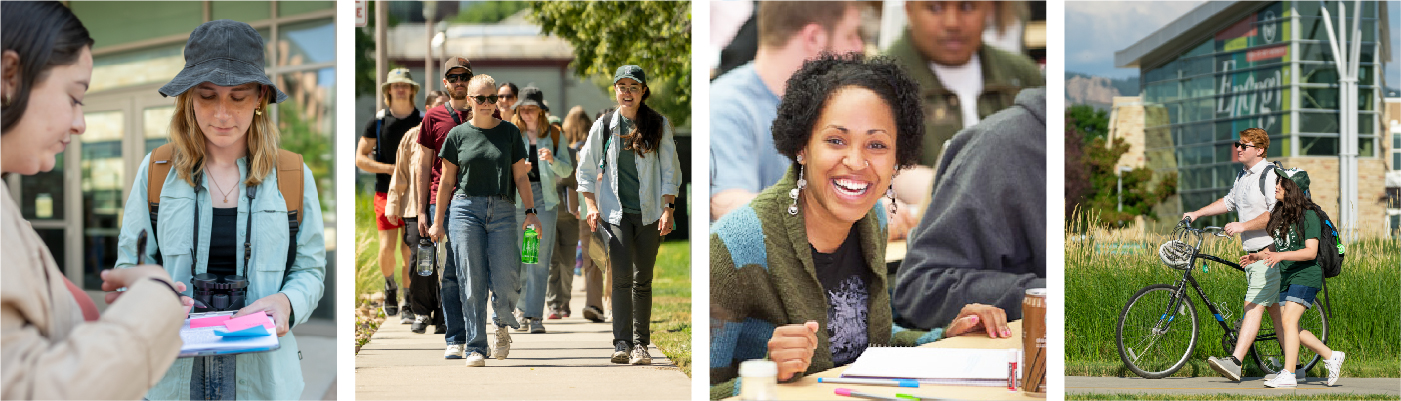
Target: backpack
[607, 130]
[1331, 250]
[289, 183]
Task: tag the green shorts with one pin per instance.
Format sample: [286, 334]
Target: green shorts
[1262, 284]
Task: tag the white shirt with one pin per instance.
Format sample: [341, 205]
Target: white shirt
[1246, 200]
[966, 81]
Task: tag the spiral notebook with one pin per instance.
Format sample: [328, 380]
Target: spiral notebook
[949, 366]
[201, 339]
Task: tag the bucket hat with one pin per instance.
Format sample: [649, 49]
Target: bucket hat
[224, 53]
[399, 76]
[530, 96]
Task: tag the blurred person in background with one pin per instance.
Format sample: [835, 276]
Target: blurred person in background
[507, 96]
[548, 162]
[561, 283]
[745, 100]
[376, 154]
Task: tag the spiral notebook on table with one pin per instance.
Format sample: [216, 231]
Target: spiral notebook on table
[949, 366]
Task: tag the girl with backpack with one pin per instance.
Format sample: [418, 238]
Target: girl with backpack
[226, 205]
[629, 175]
[1295, 228]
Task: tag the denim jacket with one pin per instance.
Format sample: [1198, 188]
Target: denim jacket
[659, 173]
[261, 375]
[550, 172]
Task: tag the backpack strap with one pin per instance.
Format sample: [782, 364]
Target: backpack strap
[607, 139]
[379, 134]
[157, 168]
[1269, 166]
[289, 183]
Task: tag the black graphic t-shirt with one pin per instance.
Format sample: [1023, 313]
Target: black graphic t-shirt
[844, 278]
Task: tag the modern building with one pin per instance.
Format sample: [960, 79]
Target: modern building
[77, 207]
[1226, 66]
[1391, 117]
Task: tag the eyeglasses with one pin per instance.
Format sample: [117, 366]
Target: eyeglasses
[484, 99]
[455, 78]
[1243, 146]
[630, 89]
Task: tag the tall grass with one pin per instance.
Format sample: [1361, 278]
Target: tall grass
[1105, 268]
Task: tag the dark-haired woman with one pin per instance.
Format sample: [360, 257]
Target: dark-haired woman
[1295, 228]
[55, 343]
[507, 94]
[798, 274]
[629, 176]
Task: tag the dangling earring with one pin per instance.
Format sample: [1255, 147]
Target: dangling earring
[890, 193]
[802, 183]
[258, 111]
[5, 101]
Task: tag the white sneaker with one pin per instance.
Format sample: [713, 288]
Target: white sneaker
[503, 343]
[476, 359]
[1334, 366]
[1282, 380]
[640, 355]
[524, 322]
[454, 351]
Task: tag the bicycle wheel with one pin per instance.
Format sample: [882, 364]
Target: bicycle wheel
[1153, 341]
[1268, 353]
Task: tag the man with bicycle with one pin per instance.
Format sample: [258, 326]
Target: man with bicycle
[1252, 203]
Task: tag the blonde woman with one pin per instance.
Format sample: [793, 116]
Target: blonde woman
[221, 214]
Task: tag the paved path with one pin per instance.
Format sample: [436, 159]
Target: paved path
[1219, 385]
[569, 362]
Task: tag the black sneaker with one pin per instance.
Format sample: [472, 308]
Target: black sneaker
[420, 324]
[620, 352]
[594, 314]
[440, 329]
[391, 297]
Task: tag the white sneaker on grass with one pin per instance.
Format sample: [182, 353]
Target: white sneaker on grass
[476, 359]
[1282, 380]
[1334, 366]
[503, 343]
[454, 351]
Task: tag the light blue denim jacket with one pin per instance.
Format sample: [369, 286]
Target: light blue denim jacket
[261, 375]
[659, 173]
[550, 172]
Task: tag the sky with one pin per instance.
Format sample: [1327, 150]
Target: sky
[1096, 29]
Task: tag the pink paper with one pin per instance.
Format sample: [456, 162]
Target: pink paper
[238, 324]
[208, 321]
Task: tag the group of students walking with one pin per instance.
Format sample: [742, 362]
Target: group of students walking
[484, 164]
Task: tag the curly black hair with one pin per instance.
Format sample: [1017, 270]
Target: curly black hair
[812, 86]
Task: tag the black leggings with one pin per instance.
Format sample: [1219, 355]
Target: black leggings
[632, 250]
[423, 294]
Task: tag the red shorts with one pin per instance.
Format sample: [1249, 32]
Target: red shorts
[380, 199]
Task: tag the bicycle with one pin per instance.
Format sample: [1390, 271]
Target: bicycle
[1151, 348]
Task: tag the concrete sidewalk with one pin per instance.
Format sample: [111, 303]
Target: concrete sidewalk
[1254, 386]
[570, 361]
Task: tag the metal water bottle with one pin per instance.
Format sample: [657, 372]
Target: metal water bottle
[530, 246]
[427, 257]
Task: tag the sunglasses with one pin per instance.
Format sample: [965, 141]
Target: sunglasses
[484, 99]
[508, 97]
[1243, 146]
[455, 78]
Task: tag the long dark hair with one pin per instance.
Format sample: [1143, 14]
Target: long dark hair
[44, 34]
[1288, 214]
[646, 134]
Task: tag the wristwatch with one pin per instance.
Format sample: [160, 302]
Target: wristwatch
[531, 211]
[671, 206]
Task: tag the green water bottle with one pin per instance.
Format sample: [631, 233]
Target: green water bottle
[530, 247]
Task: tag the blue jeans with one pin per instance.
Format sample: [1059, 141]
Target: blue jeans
[537, 276]
[213, 377]
[482, 230]
[448, 290]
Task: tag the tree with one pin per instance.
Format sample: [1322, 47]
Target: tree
[1096, 160]
[655, 35]
[489, 12]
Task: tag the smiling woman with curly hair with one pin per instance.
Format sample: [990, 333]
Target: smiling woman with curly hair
[802, 266]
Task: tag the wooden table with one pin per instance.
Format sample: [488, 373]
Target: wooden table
[809, 389]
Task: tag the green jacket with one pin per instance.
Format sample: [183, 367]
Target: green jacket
[762, 276]
[1004, 75]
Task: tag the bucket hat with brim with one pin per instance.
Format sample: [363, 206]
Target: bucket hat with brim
[224, 53]
[531, 96]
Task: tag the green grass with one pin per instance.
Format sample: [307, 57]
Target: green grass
[1133, 396]
[671, 303]
[1104, 269]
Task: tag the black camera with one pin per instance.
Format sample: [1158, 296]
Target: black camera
[220, 293]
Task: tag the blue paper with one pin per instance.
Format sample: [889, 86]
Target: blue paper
[254, 331]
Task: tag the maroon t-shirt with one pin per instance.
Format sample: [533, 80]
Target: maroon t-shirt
[436, 124]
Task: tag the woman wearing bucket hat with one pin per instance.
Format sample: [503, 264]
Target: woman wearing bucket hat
[484, 166]
[230, 206]
[548, 159]
[53, 336]
[629, 175]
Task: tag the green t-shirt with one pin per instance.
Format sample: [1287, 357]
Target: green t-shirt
[1306, 273]
[627, 173]
[484, 158]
